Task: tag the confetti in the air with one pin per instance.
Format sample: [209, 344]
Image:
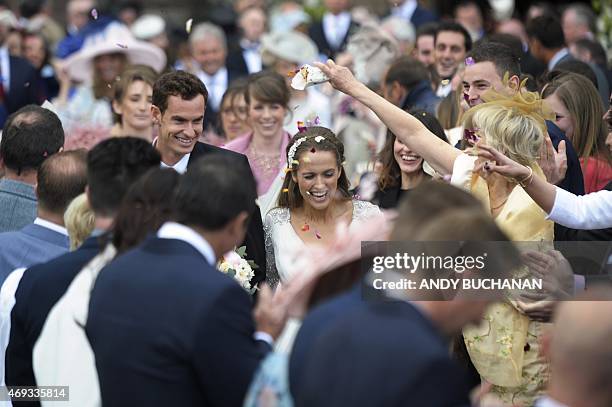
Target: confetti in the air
[188, 25]
[94, 14]
[26, 85]
[305, 228]
[285, 190]
[122, 46]
[317, 234]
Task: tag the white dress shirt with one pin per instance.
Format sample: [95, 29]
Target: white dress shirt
[180, 166]
[335, 28]
[252, 56]
[591, 211]
[5, 67]
[50, 225]
[216, 85]
[7, 302]
[173, 230]
[405, 10]
[556, 58]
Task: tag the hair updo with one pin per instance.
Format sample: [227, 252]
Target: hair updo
[313, 139]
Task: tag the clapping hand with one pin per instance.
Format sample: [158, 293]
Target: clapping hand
[552, 162]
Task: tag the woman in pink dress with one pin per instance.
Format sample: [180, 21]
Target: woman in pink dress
[267, 99]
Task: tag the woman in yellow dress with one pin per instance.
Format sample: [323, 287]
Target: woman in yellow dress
[504, 349]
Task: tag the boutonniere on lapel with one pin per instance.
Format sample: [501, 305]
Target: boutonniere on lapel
[235, 264]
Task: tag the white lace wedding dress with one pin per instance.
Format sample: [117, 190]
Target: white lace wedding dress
[283, 243]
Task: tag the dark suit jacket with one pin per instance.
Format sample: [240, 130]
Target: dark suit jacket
[316, 33]
[573, 181]
[422, 97]
[40, 288]
[235, 62]
[254, 239]
[168, 329]
[421, 16]
[353, 351]
[25, 87]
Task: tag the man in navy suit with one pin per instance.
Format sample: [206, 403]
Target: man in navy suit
[166, 327]
[19, 82]
[331, 34]
[179, 102]
[61, 178]
[112, 166]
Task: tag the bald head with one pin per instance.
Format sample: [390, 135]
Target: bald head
[61, 178]
[581, 351]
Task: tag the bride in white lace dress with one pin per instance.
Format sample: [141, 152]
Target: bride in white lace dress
[314, 201]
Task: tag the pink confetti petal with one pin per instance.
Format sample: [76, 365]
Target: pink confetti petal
[317, 234]
[94, 14]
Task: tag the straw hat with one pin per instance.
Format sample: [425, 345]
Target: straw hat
[291, 46]
[115, 38]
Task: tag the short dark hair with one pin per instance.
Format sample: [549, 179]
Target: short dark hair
[30, 135]
[268, 87]
[406, 71]
[146, 206]
[598, 53]
[499, 54]
[112, 166]
[177, 83]
[427, 29]
[61, 178]
[457, 28]
[214, 191]
[547, 30]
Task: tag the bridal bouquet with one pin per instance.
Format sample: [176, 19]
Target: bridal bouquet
[236, 265]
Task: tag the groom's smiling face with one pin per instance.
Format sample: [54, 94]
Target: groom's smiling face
[181, 124]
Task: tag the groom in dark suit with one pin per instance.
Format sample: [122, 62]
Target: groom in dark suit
[166, 327]
[179, 103]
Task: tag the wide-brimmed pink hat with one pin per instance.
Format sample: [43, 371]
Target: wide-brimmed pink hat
[113, 39]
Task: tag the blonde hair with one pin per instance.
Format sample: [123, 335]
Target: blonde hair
[515, 125]
[79, 220]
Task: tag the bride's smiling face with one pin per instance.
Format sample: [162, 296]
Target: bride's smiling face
[317, 178]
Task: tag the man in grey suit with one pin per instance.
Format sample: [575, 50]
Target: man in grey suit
[60, 179]
[30, 136]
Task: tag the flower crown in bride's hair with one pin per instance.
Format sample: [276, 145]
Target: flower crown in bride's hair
[302, 127]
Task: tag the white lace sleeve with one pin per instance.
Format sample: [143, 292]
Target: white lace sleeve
[274, 218]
